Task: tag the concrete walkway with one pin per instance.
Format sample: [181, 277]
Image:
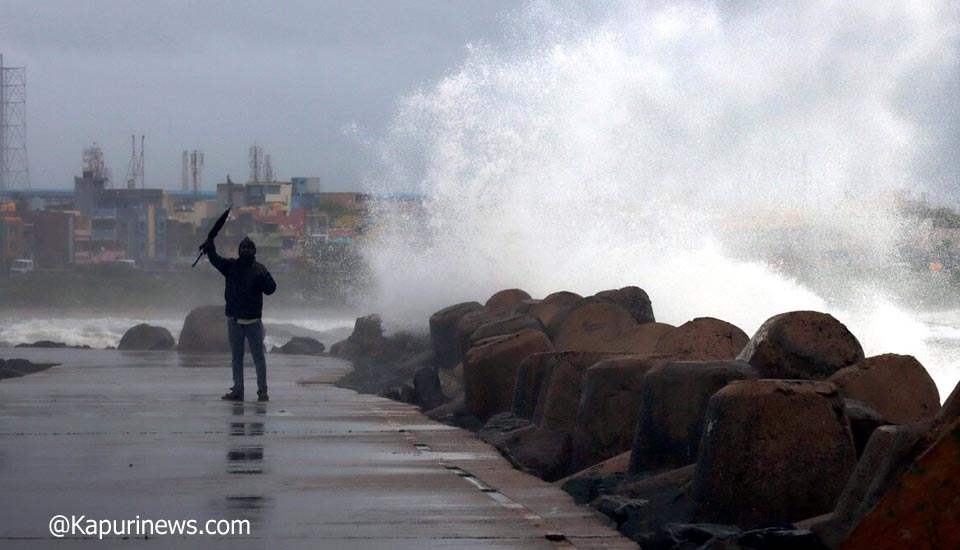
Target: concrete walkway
[115, 435]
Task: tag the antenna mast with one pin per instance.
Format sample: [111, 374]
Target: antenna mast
[185, 172]
[14, 169]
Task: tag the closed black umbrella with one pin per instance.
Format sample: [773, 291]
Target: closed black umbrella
[213, 232]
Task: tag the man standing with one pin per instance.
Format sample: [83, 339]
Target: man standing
[246, 282]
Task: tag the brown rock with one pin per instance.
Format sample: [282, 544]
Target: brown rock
[593, 326]
[530, 375]
[472, 321]
[563, 298]
[586, 485]
[922, 510]
[677, 478]
[490, 370]
[608, 409]
[506, 299]
[614, 465]
[631, 298]
[542, 453]
[863, 421]
[524, 306]
[890, 452]
[560, 393]
[642, 339]
[451, 383]
[546, 313]
[704, 339]
[504, 325]
[896, 386]
[455, 413]
[772, 450]
[443, 333]
[673, 403]
[204, 330]
[801, 345]
[365, 340]
[428, 389]
[496, 430]
[655, 502]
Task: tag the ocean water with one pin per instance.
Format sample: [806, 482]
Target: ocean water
[101, 331]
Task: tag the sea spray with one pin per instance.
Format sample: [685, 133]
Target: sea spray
[734, 160]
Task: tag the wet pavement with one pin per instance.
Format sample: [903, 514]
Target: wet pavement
[143, 436]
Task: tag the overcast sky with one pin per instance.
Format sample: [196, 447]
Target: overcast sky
[294, 76]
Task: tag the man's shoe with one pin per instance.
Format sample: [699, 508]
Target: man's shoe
[232, 396]
[262, 396]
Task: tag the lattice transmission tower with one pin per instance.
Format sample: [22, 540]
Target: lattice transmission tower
[14, 170]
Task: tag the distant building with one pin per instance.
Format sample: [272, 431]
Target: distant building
[136, 219]
[48, 237]
[304, 193]
[12, 244]
[349, 201]
[231, 193]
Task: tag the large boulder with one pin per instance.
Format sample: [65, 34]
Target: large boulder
[366, 340]
[593, 326]
[546, 314]
[506, 299]
[607, 414]
[490, 370]
[204, 330]
[890, 452]
[642, 339]
[631, 298]
[14, 368]
[896, 386]
[863, 421]
[144, 337]
[497, 428]
[302, 345]
[922, 510]
[772, 450]
[455, 413]
[802, 345]
[562, 298]
[704, 339]
[673, 403]
[509, 324]
[427, 390]
[472, 321]
[542, 453]
[603, 478]
[641, 507]
[530, 376]
[562, 388]
[443, 333]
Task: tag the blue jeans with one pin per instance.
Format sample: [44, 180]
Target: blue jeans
[253, 334]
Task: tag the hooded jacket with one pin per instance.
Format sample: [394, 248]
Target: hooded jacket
[245, 284]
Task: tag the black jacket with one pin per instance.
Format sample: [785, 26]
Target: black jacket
[246, 285]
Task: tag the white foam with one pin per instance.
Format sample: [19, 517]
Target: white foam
[643, 143]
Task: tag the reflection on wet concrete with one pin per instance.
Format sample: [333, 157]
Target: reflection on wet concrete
[252, 429]
[248, 429]
[245, 507]
[246, 459]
